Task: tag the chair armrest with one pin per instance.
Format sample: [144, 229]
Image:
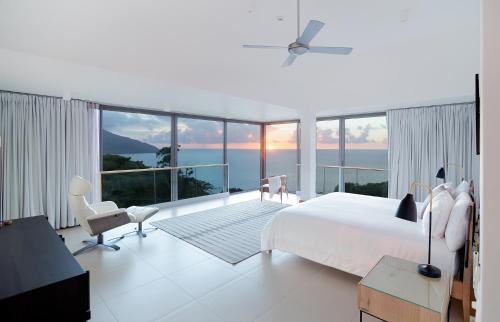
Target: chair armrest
[104, 206]
[105, 221]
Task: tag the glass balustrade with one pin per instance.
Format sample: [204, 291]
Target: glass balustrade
[365, 181]
[140, 187]
[200, 181]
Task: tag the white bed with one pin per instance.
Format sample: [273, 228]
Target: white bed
[352, 232]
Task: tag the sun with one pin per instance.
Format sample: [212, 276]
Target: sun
[270, 147]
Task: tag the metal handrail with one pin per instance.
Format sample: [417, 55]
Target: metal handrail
[347, 167]
[166, 168]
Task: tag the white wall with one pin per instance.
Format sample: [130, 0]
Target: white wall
[489, 305]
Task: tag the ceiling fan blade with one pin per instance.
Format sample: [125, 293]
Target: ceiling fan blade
[264, 47]
[312, 29]
[289, 60]
[331, 50]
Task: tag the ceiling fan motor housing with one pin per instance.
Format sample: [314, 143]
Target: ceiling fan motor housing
[297, 48]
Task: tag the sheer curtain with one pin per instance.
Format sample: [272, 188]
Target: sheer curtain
[46, 141]
[422, 139]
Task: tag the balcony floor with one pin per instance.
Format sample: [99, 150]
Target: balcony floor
[162, 278]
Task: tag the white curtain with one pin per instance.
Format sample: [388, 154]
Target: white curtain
[422, 139]
[46, 141]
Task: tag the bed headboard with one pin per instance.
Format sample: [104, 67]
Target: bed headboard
[469, 237]
[462, 288]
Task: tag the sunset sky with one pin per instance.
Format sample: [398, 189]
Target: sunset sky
[364, 133]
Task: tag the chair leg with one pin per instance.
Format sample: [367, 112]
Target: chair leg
[81, 250]
[139, 231]
[113, 246]
[95, 243]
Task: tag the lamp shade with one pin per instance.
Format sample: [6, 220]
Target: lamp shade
[407, 209]
[441, 174]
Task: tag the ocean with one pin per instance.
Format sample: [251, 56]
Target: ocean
[244, 166]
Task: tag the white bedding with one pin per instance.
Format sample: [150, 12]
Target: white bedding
[352, 232]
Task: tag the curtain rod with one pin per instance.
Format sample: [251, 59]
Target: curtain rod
[43, 95]
[433, 105]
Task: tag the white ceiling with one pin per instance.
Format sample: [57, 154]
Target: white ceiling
[187, 56]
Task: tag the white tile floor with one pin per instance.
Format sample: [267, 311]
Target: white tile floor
[161, 278]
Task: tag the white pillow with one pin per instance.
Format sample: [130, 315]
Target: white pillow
[441, 209]
[444, 186]
[462, 187]
[457, 224]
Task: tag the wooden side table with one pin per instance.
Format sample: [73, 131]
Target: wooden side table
[393, 291]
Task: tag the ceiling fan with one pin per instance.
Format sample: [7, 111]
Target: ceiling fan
[301, 45]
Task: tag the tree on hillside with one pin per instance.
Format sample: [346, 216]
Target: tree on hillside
[146, 188]
[118, 162]
[163, 157]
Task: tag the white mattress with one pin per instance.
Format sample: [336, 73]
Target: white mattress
[352, 232]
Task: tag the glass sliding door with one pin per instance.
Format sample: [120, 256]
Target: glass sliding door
[135, 141]
[282, 152]
[366, 153]
[200, 145]
[243, 156]
[327, 156]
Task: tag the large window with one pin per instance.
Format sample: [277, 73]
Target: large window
[135, 141]
[282, 152]
[327, 155]
[151, 157]
[243, 156]
[201, 145]
[366, 147]
[352, 155]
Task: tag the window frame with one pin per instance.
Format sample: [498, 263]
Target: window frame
[342, 119]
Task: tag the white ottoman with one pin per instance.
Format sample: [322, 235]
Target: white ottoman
[138, 215]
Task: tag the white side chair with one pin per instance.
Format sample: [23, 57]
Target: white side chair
[95, 218]
[264, 187]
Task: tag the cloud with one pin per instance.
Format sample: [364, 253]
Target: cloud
[147, 128]
[122, 121]
[243, 133]
[195, 131]
[362, 137]
[293, 137]
[159, 138]
[327, 136]
[361, 134]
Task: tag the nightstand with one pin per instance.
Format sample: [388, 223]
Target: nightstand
[393, 291]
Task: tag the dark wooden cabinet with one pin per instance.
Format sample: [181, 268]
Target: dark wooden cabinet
[39, 278]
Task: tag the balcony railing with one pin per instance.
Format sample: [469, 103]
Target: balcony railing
[158, 185]
[367, 181]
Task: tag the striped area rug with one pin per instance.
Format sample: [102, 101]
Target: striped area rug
[231, 233]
